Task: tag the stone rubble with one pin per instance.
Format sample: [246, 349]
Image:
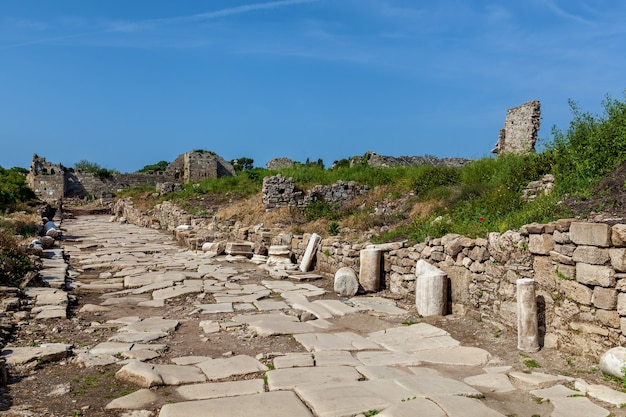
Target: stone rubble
[398, 371]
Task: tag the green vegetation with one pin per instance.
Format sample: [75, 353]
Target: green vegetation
[531, 363]
[93, 168]
[14, 191]
[159, 167]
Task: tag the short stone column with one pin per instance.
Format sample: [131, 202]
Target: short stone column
[369, 272]
[527, 324]
[311, 247]
[431, 289]
[346, 282]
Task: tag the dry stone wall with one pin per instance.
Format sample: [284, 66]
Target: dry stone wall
[579, 269]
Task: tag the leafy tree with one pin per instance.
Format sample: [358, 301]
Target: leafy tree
[242, 164]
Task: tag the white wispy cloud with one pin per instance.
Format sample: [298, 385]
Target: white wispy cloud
[136, 26]
[554, 6]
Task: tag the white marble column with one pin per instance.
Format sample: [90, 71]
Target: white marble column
[311, 247]
[431, 290]
[527, 324]
[369, 272]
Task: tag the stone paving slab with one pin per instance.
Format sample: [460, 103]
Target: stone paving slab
[289, 378]
[428, 385]
[335, 358]
[115, 301]
[382, 372]
[176, 291]
[317, 310]
[415, 407]
[274, 324]
[151, 324]
[459, 406]
[291, 360]
[378, 305]
[221, 389]
[454, 356]
[45, 352]
[499, 383]
[316, 342]
[269, 305]
[337, 308]
[136, 337]
[344, 399]
[387, 358]
[179, 374]
[138, 400]
[601, 392]
[226, 367]
[421, 336]
[535, 380]
[274, 404]
[569, 403]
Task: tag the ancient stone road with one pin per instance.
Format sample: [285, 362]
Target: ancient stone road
[397, 371]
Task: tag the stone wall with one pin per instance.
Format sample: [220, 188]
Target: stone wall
[381, 161]
[579, 269]
[279, 191]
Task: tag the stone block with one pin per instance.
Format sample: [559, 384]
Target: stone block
[591, 255]
[576, 292]
[618, 258]
[603, 276]
[540, 244]
[604, 298]
[621, 303]
[608, 318]
[565, 249]
[561, 237]
[618, 235]
[561, 259]
[545, 274]
[592, 234]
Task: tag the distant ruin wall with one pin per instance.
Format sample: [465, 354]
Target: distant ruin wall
[279, 191]
[381, 161]
[81, 184]
[53, 182]
[520, 129]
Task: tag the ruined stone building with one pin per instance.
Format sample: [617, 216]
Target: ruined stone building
[520, 129]
[53, 182]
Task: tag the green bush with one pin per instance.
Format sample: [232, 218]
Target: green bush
[160, 166]
[14, 261]
[13, 189]
[428, 178]
[590, 148]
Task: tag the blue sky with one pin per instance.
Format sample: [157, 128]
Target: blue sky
[129, 83]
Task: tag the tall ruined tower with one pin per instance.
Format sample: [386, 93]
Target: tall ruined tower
[520, 129]
[46, 179]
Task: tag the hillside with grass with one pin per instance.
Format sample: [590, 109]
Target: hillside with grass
[586, 159]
